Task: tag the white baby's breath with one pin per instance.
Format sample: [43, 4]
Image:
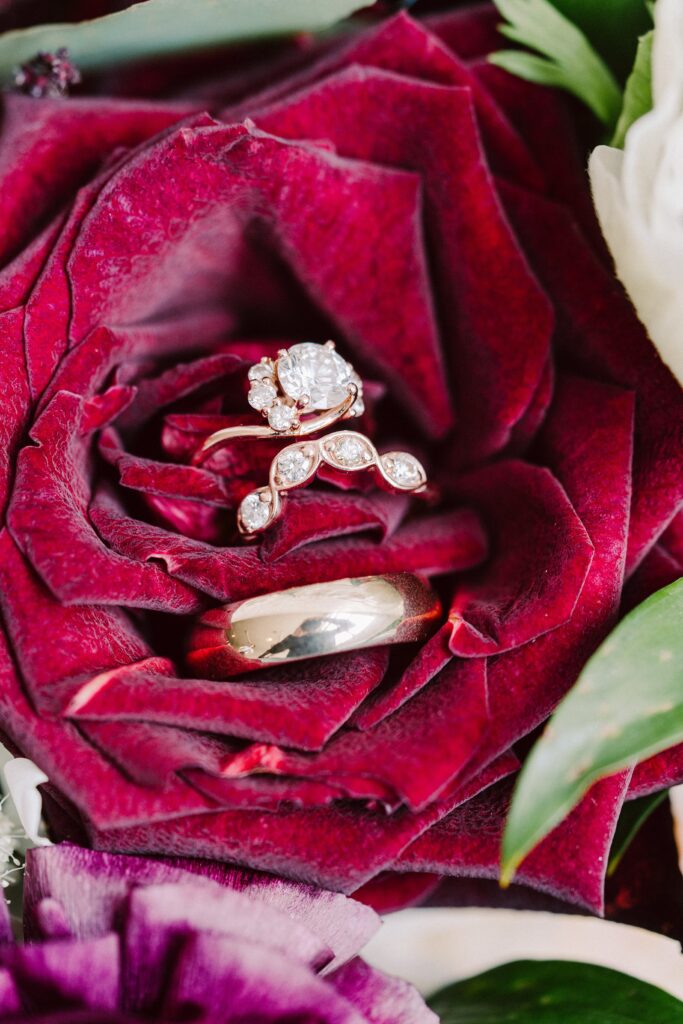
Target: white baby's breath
[638, 194]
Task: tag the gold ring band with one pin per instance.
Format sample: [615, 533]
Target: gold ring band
[221, 438]
[312, 621]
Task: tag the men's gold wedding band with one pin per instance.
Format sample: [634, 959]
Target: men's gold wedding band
[312, 621]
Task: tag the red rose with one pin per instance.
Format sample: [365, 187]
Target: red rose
[399, 194]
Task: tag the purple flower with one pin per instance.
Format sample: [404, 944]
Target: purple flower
[115, 938]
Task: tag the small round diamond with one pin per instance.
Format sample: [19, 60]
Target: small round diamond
[254, 513]
[314, 371]
[403, 469]
[281, 416]
[349, 450]
[261, 371]
[293, 466]
[261, 395]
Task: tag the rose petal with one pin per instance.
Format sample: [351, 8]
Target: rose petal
[542, 555]
[310, 516]
[183, 379]
[86, 367]
[14, 385]
[208, 175]
[406, 47]
[390, 891]
[266, 793]
[19, 275]
[71, 643]
[431, 659]
[163, 478]
[658, 569]
[497, 341]
[393, 751]
[569, 864]
[47, 151]
[10, 1002]
[540, 114]
[72, 764]
[301, 705]
[600, 333]
[659, 772]
[337, 846]
[433, 544]
[470, 32]
[49, 518]
[588, 442]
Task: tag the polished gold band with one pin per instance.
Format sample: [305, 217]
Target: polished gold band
[312, 621]
[222, 438]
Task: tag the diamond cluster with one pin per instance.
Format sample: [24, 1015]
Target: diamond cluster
[305, 378]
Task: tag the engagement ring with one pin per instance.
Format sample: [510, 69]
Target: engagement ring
[308, 388]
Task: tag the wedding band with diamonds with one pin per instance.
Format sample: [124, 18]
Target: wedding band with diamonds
[308, 388]
[343, 451]
[312, 621]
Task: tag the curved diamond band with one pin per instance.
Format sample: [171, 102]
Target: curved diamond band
[344, 451]
[311, 621]
[308, 388]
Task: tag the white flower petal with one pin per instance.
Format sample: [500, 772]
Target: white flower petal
[667, 53]
[22, 778]
[638, 196]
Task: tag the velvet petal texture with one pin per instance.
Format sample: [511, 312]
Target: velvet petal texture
[392, 190]
[143, 939]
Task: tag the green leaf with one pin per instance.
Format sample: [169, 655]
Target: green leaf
[555, 992]
[626, 706]
[633, 816]
[571, 63]
[159, 27]
[638, 92]
[598, 19]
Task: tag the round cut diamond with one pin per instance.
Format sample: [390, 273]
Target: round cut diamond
[349, 450]
[254, 513]
[260, 371]
[403, 469]
[261, 395]
[281, 416]
[293, 466]
[316, 372]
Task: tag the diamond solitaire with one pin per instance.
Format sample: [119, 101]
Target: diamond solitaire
[315, 375]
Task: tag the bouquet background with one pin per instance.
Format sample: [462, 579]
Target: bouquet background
[390, 187]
